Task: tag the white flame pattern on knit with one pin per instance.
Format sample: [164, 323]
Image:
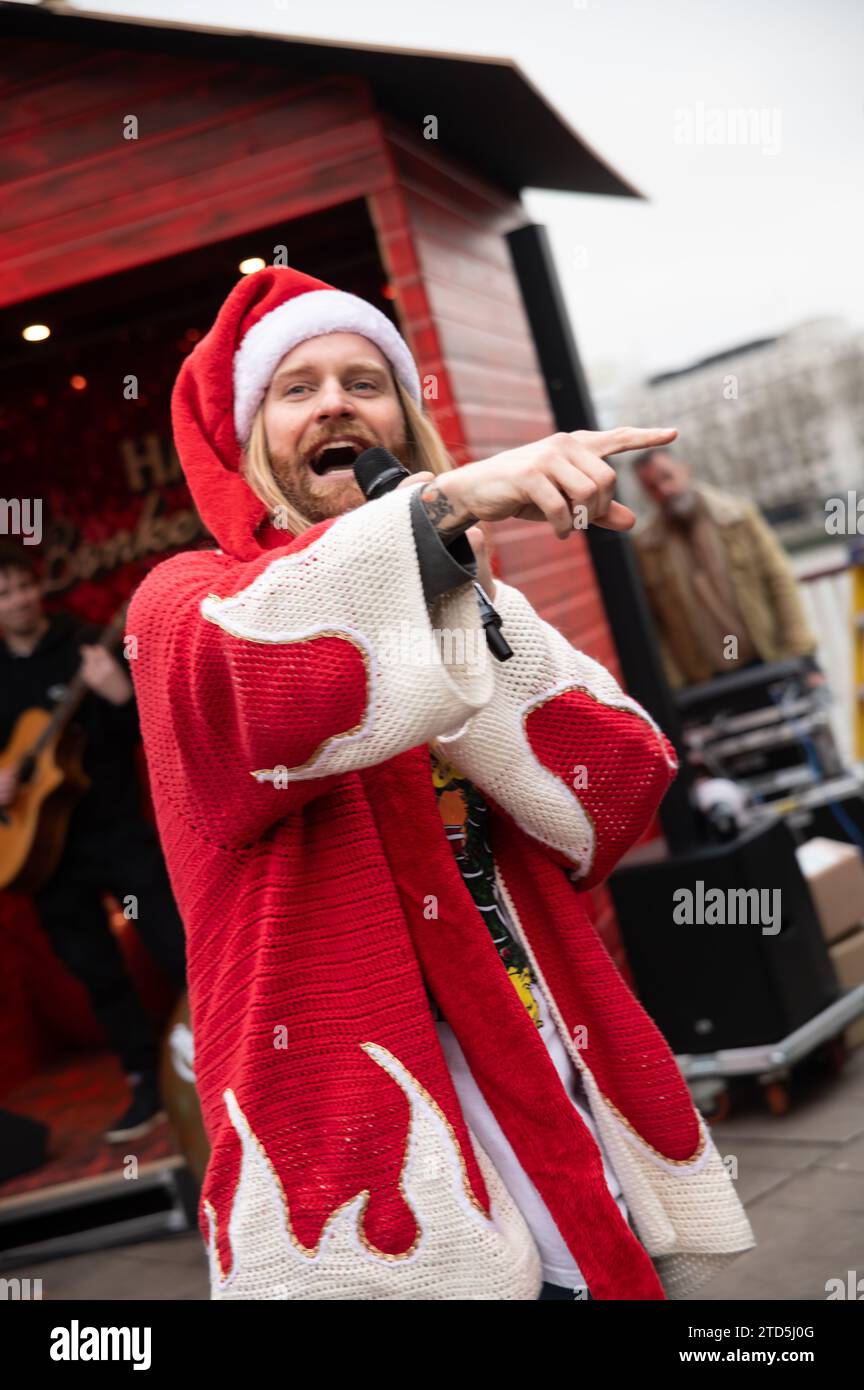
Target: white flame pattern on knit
[493, 750]
[361, 578]
[460, 1252]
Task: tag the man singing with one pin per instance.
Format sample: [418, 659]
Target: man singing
[421, 1074]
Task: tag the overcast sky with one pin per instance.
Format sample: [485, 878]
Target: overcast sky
[737, 241]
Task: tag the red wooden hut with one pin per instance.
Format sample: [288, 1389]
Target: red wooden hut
[141, 165]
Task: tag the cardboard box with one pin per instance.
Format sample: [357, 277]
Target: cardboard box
[835, 876]
[848, 958]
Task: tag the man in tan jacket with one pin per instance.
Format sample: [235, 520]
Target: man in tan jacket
[721, 587]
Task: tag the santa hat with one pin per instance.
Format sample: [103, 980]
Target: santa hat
[225, 378]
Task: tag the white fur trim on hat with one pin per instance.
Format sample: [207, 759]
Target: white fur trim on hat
[308, 315]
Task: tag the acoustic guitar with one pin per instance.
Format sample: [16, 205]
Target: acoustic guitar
[51, 782]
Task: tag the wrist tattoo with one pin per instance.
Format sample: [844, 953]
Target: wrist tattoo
[441, 513]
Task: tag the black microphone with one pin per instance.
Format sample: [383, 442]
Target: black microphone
[377, 472]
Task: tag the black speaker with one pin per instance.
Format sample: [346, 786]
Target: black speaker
[716, 984]
[23, 1144]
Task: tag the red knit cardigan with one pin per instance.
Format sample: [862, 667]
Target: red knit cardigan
[286, 722]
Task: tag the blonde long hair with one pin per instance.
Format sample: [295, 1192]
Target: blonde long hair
[426, 453]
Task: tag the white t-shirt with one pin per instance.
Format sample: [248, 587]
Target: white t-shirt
[559, 1266]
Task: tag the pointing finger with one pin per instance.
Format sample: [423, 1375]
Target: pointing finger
[618, 518]
[619, 441]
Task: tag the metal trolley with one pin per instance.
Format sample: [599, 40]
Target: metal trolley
[707, 1073]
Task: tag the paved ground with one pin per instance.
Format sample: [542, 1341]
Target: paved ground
[801, 1178]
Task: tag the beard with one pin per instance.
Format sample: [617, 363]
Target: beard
[320, 498]
[682, 506]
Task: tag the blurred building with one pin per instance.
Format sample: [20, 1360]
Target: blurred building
[779, 420]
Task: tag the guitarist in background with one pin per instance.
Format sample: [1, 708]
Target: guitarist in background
[109, 845]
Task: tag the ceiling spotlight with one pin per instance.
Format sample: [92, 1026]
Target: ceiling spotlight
[251, 263]
[36, 332]
[78, 383]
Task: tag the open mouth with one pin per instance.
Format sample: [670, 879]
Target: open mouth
[336, 458]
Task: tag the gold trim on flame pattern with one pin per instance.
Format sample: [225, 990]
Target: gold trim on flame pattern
[298, 641]
[625, 709]
[607, 704]
[310, 1252]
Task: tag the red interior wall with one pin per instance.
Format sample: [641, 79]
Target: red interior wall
[81, 453]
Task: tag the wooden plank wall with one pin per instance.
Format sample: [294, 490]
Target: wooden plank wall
[222, 149]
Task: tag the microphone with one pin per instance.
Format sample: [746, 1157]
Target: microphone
[377, 471]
